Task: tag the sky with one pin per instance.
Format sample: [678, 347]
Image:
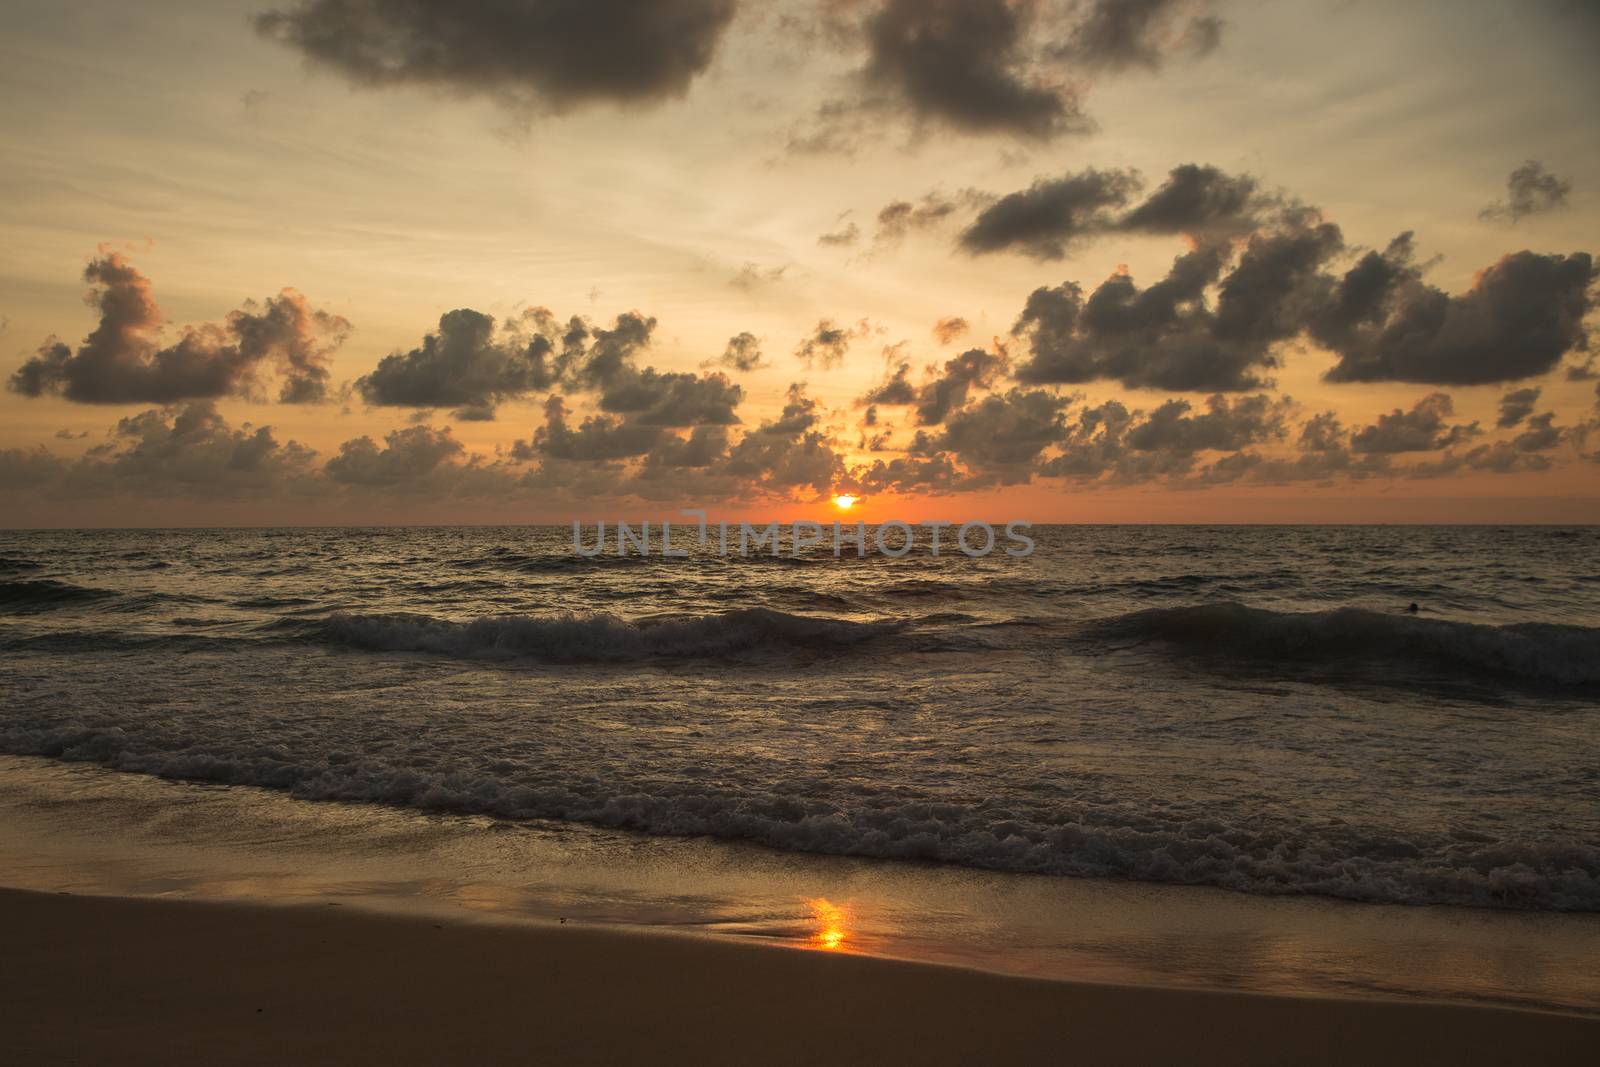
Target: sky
[400, 261]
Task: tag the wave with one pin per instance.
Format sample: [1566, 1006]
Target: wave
[43, 594]
[1261, 855]
[599, 637]
[1539, 652]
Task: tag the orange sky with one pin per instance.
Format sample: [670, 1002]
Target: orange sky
[225, 164]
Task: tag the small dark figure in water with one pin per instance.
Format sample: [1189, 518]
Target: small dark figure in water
[1413, 609]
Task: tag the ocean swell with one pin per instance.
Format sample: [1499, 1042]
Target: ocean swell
[1537, 652]
[599, 637]
[43, 594]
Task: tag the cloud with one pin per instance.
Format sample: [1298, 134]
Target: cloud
[653, 398]
[1422, 429]
[950, 328]
[601, 437]
[786, 454]
[1169, 335]
[902, 217]
[974, 368]
[552, 55]
[896, 391]
[968, 65]
[1197, 198]
[742, 354]
[1118, 34]
[752, 278]
[1516, 406]
[1530, 190]
[829, 343]
[123, 361]
[473, 365]
[844, 237]
[1519, 318]
[1001, 437]
[417, 460]
[1045, 219]
[1224, 426]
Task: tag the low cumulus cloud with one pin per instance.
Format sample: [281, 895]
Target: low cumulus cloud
[1044, 220]
[1516, 406]
[1170, 335]
[1530, 190]
[1054, 215]
[1519, 318]
[552, 55]
[743, 353]
[1421, 429]
[185, 450]
[124, 360]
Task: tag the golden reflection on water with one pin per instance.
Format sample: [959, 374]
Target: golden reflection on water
[832, 924]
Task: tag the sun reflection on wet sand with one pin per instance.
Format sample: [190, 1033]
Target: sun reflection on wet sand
[832, 925]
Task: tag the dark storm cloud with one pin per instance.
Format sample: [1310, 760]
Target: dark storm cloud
[1169, 336]
[1117, 34]
[1521, 316]
[1530, 190]
[123, 361]
[551, 54]
[1516, 406]
[967, 64]
[742, 354]
[950, 328]
[1422, 429]
[1197, 198]
[1043, 220]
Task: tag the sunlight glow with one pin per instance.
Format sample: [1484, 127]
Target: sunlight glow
[832, 929]
[845, 503]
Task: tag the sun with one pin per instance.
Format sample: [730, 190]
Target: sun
[845, 502]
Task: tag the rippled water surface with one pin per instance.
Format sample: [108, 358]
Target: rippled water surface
[1244, 707]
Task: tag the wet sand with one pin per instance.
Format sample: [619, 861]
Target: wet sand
[99, 979]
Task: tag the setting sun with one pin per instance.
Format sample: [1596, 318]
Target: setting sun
[844, 503]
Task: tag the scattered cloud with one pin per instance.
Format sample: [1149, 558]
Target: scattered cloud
[1530, 190]
[124, 362]
[551, 56]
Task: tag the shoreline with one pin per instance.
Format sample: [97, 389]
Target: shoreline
[96, 832]
[146, 981]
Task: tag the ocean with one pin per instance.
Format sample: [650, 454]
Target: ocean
[1249, 708]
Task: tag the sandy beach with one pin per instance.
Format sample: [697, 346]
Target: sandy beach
[94, 979]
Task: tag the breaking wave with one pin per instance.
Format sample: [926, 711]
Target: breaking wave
[1539, 652]
[1189, 846]
[599, 637]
